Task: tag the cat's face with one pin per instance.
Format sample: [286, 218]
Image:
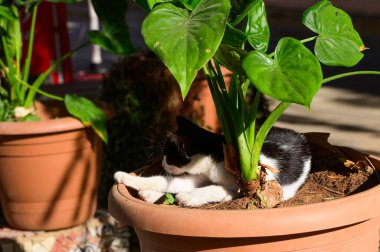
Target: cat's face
[184, 150]
[176, 158]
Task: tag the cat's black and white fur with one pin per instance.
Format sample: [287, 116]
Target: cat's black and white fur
[193, 160]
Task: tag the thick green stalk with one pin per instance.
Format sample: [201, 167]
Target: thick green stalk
[339, 76]
[259, 141]
[245, 158]
[251, 120]
[28, 58]
[38, 82]
[302, 41]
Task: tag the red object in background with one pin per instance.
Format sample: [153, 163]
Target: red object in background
[51, 41]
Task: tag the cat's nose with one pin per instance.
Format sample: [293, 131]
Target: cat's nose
[164, 163]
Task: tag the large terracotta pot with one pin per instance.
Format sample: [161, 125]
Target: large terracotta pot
[349, 224]
[49, 173]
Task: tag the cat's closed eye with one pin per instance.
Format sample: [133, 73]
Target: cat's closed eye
[175, 152]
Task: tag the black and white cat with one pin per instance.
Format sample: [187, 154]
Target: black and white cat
[194, 163]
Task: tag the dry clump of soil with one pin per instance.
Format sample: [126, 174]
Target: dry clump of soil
[330, 180]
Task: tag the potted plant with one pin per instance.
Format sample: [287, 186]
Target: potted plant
[190, 36]
[49, 160]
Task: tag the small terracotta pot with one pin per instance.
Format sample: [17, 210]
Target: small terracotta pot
[346, 224]
[49, 173]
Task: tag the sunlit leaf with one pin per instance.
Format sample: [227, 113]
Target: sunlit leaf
[186, 40]
[258, 28]
[294, 75]
[88, 113]
[338, 43]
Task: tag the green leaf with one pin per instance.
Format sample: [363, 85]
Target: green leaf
[30, 118]
[152, 3]
[188, 4]
[294, 75]
[230, 57]
[89, 114]
[11, 31]
[115, 33]
[240, 9]
[233, 36]
[186, 40]
[338, 43]
[7, 13]
[257, 27]
[169, 199]
[65, 1]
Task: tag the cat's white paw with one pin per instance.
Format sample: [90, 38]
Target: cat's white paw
[189, 200]
[120, 177]
[150, 196]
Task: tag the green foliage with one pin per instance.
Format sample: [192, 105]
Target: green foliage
[338, 43]
[115, 33]
[211, 33]
[17, 91]
[169, 199]
[257, 27]
[88, 113]
[186, 40]
[283, 77]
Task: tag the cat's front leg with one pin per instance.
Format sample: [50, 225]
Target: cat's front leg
[155, 183]
[150, 196]
[204, 195]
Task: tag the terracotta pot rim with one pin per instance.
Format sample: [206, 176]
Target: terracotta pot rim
[41, 127]
[240, 223]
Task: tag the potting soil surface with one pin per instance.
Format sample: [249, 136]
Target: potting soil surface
[325, 182]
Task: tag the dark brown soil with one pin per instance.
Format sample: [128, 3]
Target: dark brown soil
[325, 182]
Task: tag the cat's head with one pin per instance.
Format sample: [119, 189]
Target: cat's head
[187, 145]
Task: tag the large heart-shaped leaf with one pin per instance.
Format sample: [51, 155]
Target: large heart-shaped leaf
[115, 33]
[88, 113]
[338, 43]
[186, 40]
[294, 75]
[257, 27]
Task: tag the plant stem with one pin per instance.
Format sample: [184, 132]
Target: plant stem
[28, 58]
[261, 135]
[251, 123]
[339, 76]
[302, 41]
[308, 40]
[11, 70]
[51, 96]
[38, 82]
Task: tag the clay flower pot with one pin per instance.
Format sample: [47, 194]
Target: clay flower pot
[49, 173]
[347, 224]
